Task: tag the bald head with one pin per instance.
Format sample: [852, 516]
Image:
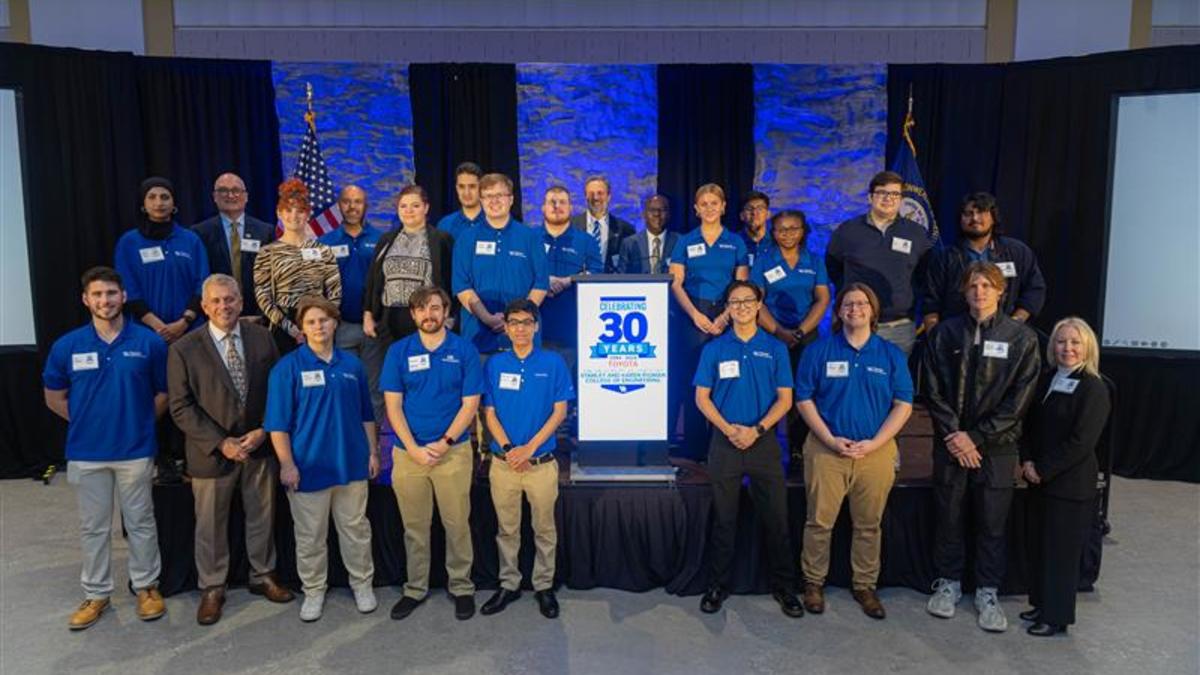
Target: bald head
[229, 194]
[352, 201]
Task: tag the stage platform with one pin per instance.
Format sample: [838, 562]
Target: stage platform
[628, 537]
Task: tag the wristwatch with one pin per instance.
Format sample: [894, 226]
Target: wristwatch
[760, 429]
[507, 446]
[449, 439]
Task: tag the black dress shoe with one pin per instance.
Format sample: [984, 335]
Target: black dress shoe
[547, 603]
[712, 600]
[464, 606]
[499, 601]
[1045, 629]
[789, 603]
[1031, 614]
[402, 609]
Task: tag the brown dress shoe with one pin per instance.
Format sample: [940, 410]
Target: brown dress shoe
[814, 598]
[88, 613]
[211, 602]
[871, 606]
[150, 605]
[269, 588]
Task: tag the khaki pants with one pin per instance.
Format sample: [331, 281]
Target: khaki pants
[416, 487]
[830, 478]
[310, 514]
[255, 479]
[94, 484]
[540, 486]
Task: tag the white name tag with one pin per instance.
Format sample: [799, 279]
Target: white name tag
[902, 245]
[1009, 269]
[995, 350]
[152, 254]
[312, 378]
[750, 259]
[510, 381]
[341, 251]
[547, 247]
[310, 253]
[485, 248]
[837, 369]
[1065, 386]
[775, 274]
[730, 369]
[85, 361]
[251, 245]
[419, 362]
[696, 250]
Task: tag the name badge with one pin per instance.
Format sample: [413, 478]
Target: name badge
[995, 350]
[251, 245]
[750, 259]
[1065, 386]
[729, 370]
[775, 274]
[901, 245]
[152, 254]
[696, 250]
[485, 248]
[1009, 269]
[419, 362]
[312, 378]
[310, 253]
[510, 381]
[837, 369]
[547, 247]
[341, 251]
[85, 361]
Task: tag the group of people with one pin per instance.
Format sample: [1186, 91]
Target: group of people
[311, 344]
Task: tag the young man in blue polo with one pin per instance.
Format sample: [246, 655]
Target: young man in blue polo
[525, 401]
[744, 387]
[431, 383]
[108, 379]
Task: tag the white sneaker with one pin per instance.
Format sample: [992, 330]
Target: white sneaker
[991, 615]
[312, 607]
[365, 599]
[946, 594]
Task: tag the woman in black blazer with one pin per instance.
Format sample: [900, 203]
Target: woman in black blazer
[1058, 459]
[406, 258]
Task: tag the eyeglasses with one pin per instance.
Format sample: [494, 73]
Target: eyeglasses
[755, 209]
[496, 197]
[738, 304]
[887, 194]
[230, 192]
[521, 323]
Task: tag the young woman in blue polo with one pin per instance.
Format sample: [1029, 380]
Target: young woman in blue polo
[322, 427]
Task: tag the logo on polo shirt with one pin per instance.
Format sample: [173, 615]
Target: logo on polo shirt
[134, 354]
[183, 254]
[450, 358]
[519, 254]
[877, 370]
[763, 355]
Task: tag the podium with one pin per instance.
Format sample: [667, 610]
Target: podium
[622, 378]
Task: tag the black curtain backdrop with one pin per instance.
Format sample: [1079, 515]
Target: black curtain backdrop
[705, 135]
[1036, 134]
[94, 125]
[463, 112]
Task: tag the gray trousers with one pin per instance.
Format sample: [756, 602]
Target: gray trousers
[902, 333]
[371, 351]
[311, 512]
[94, 485]
[255, 479]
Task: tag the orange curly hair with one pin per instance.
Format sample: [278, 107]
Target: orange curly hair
[293, 192]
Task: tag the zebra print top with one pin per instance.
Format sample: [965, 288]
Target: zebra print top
[284, 273]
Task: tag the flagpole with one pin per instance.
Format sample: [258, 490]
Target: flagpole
[909, 122]
[311, 118]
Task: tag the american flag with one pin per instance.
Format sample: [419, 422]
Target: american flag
[310, 168]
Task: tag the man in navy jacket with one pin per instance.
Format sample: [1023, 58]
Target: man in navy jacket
[233, 230]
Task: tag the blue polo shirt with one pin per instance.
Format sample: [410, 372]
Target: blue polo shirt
[354, 257]
[111, 390]
[572, 252]
[743, 376]
[500, 266]
[789, 290]
[853, 389]
[165, 274]
[524, 391]
[322, 406]
[455, 223]
[756, 249]
[709, 268]
[433, 383]
[886, 261]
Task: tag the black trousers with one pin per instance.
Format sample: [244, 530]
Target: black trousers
[1060, 529]
[982, 497]
[691, 343]
[726, 467]
[797, 430]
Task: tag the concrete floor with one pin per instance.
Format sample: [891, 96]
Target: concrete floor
[1144, 618]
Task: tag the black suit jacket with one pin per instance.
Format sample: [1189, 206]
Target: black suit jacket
[204, 402]
[1064, 430]
[617, 231]
[635, 252]
[216, 244]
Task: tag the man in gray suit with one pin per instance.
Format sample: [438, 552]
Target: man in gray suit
[217, 392]
[607, 229]
[649, 251]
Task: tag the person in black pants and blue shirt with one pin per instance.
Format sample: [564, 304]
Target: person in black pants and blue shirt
[1058, 458]
[744, 387]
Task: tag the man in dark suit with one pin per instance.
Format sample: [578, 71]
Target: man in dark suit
[233, 237]
[217, 392]
[649, 251]
[607, 229]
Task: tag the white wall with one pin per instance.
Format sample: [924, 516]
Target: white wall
[1051, 28]
[114, 25]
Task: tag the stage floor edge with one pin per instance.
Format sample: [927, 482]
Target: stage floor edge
[622, 474]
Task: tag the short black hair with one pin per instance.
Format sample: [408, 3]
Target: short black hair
[755, 194]
[982, 201]
[101, 273]
[522, 305]
[742, 283]
[791, 214]
[468, 167]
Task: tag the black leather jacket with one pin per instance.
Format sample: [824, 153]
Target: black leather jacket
[989, 402]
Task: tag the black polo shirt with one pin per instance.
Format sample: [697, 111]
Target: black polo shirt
[891, 261]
